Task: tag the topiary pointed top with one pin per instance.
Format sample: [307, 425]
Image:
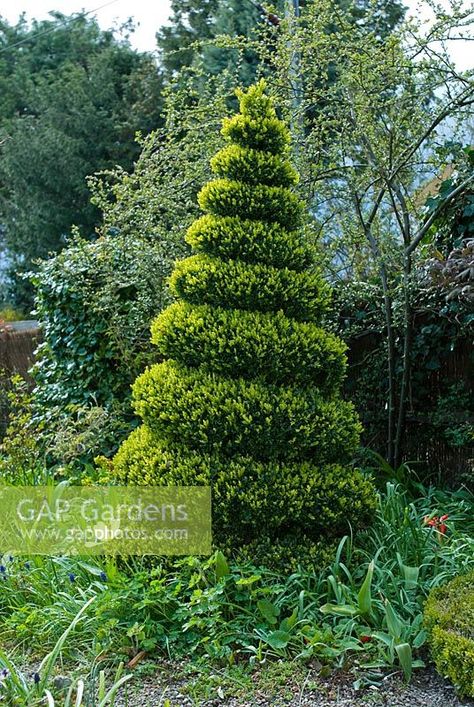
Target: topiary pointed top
[257, 125]
[254, 103]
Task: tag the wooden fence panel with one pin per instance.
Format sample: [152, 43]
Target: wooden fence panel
[428, 451]
[18, 342]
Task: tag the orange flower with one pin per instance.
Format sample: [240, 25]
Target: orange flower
[438, 523]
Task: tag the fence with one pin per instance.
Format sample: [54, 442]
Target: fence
[425, 445]
[18, 342]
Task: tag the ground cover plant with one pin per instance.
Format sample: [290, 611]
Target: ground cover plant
[363, 613]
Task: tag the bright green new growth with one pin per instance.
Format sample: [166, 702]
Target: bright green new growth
[449, 617]
[247, 399]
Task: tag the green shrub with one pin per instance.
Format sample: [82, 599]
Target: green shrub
[21, 461]
[55, 441]
[248, 400]
[254, 166]
[234, 237]
[248, 344]
[202, 279]
[208, 412]
[94, 302]
[226, 197]
[449, 617]
[257, 131]
[298, 496]
[8, 313]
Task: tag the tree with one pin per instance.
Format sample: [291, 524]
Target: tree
[365, 154]
[90, 355]
[189, 39]
[74, 97]
[247, 398]
[218, 34]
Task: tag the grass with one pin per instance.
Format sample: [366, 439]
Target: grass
[24, 691]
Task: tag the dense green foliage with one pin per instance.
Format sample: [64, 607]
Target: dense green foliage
[83, 378]
[439, 429]
[454, 225]
[243, 614]
[73, 97]
[268, 437]
[217, 35]
[449, 617]
[238, 238]
[93, 353]
[244, 388]
[80, 405]
[248, 344]
[260, 287]
[212, 413]
[189, 39]
[88, 356]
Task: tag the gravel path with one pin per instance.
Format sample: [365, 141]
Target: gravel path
[426, 690]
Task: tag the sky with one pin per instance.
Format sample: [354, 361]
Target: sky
[150, 15]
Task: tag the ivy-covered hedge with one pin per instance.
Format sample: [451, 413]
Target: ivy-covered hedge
[94, 302]
[248, 400]
[449, 617]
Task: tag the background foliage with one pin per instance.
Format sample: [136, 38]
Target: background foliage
[73, 97]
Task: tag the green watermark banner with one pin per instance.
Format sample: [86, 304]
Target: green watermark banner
[109, 520]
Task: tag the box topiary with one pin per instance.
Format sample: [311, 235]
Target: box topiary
[247, 399]
[449, 618]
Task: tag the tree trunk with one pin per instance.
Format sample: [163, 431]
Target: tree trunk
[407, 347]
[390, 370]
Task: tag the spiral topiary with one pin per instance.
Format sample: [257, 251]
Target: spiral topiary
[247, 399]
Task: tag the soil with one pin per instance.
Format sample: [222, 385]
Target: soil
[427, 689]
